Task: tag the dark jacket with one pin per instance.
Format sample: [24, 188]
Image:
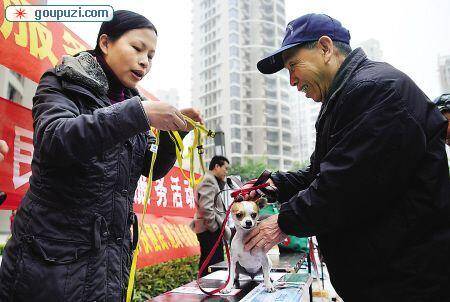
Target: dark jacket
[376, 194]
[71, 239]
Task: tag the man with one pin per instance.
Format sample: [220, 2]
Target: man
[211, 210]
[376, 193]
[443, 104]
[3, 150]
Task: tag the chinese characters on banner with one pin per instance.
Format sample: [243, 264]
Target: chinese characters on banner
[30, 49]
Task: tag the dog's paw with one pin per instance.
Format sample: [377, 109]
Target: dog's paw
[226, 290]
[269, 287]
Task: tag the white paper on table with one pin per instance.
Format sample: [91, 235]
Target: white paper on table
[197, 291]
[223, 275]
[259, 294]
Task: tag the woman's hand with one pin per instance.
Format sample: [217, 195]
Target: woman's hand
[163, 116]
[193, 114]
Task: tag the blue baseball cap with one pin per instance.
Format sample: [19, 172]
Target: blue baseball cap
[306, 28]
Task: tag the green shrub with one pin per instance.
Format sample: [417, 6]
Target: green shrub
[2, 247]
[157, 279]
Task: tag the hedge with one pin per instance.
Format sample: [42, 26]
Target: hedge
[157, 279]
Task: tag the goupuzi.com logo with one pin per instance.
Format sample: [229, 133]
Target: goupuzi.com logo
[59, 13]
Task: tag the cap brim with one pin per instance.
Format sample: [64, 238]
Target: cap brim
[274, 62]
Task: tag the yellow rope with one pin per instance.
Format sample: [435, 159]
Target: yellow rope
[179, 147]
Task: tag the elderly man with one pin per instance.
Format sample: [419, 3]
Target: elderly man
[376, 193]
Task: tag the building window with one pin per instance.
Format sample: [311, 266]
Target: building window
[272, 136]
[235, 91]
[234, 51]
[233, 12]
[235, 105]
[273, 150]
[234, 38]
[234, 78]
[272, 121]
[235, 133]
[234, 64]
[232, 3]
[286, 136]
[235, 119]
[14, 94]
[234, 25]
[235, 147]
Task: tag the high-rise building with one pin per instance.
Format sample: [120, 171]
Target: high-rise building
[372, 49]
[252, 109]
[444, 73]
[170, 96]
[304, 115]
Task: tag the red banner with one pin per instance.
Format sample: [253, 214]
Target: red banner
[165, 238]
[30, 48]
[16, 128]
[39, 45]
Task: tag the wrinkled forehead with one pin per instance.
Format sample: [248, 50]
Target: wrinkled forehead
[244, 207]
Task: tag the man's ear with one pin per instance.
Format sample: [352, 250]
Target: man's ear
[325, 45]
[261, 202]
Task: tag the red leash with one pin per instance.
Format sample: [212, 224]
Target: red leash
[237, 195]
[206, 262]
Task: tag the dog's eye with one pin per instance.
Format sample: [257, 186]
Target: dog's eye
[253, 215]
[239, 215]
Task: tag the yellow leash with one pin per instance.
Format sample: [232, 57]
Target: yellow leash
[179, 147]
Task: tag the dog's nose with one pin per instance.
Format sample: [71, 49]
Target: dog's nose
[248, 223]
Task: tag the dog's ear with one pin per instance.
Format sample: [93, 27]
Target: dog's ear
[261, 202]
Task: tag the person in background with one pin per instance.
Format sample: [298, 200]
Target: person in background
[211, 210]
[71, 238]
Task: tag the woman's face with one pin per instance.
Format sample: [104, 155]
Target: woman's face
[130, 56]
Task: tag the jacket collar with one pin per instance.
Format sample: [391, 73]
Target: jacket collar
[343, 74]
[220, 183]
[83, 70]
[83, 74]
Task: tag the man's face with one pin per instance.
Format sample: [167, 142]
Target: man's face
[308, 71]
[221, 172]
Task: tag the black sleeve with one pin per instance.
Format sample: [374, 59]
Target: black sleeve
[290, 183]
[64, 135]
[165, 158]
[367, 168]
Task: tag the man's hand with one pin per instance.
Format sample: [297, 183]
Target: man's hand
[193, 114]
[3, 149]
[265, 236]
[253, 195]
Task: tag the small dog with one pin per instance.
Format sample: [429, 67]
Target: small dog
[245, 215]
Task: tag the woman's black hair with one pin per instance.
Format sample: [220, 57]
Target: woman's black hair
[122, 21]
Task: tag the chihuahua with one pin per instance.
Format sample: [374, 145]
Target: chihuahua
[245, 215]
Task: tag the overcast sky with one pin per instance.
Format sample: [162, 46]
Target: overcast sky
[411, 34]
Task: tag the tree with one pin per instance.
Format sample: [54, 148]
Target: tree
[250, 170]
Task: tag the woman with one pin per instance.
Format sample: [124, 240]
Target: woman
[71, 236]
